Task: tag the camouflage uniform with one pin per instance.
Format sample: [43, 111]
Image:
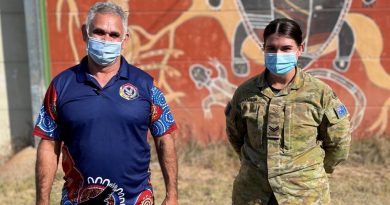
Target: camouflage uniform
[287, 142]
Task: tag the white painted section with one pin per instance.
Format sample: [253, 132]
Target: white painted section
[5, 133]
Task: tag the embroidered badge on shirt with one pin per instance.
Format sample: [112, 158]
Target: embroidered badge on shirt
[341, 111]
[128, 91]
[274, 129]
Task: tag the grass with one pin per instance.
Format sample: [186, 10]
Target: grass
[206, 174]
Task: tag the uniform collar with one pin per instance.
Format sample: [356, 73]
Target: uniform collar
[295, 84]
[82, 72]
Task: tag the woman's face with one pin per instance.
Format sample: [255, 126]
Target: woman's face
[281, 44]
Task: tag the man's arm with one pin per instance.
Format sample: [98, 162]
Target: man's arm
[48, 153]
[166, 151]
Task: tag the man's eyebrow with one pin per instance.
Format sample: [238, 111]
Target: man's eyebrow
[98, 30]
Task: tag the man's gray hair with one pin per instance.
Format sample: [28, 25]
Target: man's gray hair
[106, 7]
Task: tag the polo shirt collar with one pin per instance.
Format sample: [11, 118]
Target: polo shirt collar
[82, 70]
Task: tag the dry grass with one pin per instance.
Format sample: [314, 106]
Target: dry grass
[206, 174]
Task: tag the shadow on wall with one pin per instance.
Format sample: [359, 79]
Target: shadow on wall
[16, 73]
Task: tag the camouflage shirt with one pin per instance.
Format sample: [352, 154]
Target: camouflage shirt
[286, 141]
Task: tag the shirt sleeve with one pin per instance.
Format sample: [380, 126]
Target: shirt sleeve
[234, 126]
[335, 132]
[162, 121]
[46, 124]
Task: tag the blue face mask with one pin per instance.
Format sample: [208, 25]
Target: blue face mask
[103, 52]
[280, 63]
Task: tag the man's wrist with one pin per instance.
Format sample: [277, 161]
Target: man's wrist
[42, 201]
[171, 195]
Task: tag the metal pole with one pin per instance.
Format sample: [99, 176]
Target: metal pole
[35, 52]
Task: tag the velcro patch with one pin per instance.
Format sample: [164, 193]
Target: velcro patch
[341, 111]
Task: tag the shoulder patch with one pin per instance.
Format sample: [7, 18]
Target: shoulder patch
[341, 111]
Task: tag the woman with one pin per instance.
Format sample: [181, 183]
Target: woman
[288, 127]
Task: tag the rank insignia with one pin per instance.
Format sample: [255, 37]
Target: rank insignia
[274, 129]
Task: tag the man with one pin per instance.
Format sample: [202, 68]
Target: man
[98, 113]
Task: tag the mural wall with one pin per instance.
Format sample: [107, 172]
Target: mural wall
[199, 51]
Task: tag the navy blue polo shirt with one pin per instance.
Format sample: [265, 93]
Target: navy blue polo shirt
[104, 132]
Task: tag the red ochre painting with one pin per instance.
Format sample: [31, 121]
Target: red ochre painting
[199, 51]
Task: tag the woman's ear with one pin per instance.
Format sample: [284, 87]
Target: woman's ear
[300, 49]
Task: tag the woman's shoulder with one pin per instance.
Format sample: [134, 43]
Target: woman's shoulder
[248, 88]
[251, 82]
[312, 81]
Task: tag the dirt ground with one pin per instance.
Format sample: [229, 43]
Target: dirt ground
[204, 179]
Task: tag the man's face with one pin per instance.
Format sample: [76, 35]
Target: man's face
[107, 27]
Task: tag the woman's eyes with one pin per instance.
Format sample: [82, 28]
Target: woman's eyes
[274, 50]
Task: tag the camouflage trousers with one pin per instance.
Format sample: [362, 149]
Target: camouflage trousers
[253, 187]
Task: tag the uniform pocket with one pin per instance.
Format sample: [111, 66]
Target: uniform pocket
[252, 113]
[300, 126]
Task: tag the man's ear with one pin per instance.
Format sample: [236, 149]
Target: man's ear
[127, 36]
[84, 32]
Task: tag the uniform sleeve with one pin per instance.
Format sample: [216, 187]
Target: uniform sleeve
[234, 126]
[46, 124]
[162, 121]
[335, 133]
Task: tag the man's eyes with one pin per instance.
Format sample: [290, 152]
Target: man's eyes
[115, 35]
[103, 33]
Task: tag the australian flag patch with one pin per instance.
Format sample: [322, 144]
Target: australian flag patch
[341, 111]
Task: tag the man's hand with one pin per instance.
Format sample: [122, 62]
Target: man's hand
[170, 201]
[48, 153]
[165, 146]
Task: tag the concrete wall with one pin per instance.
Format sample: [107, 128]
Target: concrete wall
[15, 98]
[346, 46]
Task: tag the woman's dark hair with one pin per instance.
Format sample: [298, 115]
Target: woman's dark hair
[284, 27]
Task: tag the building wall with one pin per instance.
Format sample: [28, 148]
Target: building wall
[15, 98]
[199, 51]
[5, 137]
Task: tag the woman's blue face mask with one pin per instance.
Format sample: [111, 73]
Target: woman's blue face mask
[103, 52]
[280, 63]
